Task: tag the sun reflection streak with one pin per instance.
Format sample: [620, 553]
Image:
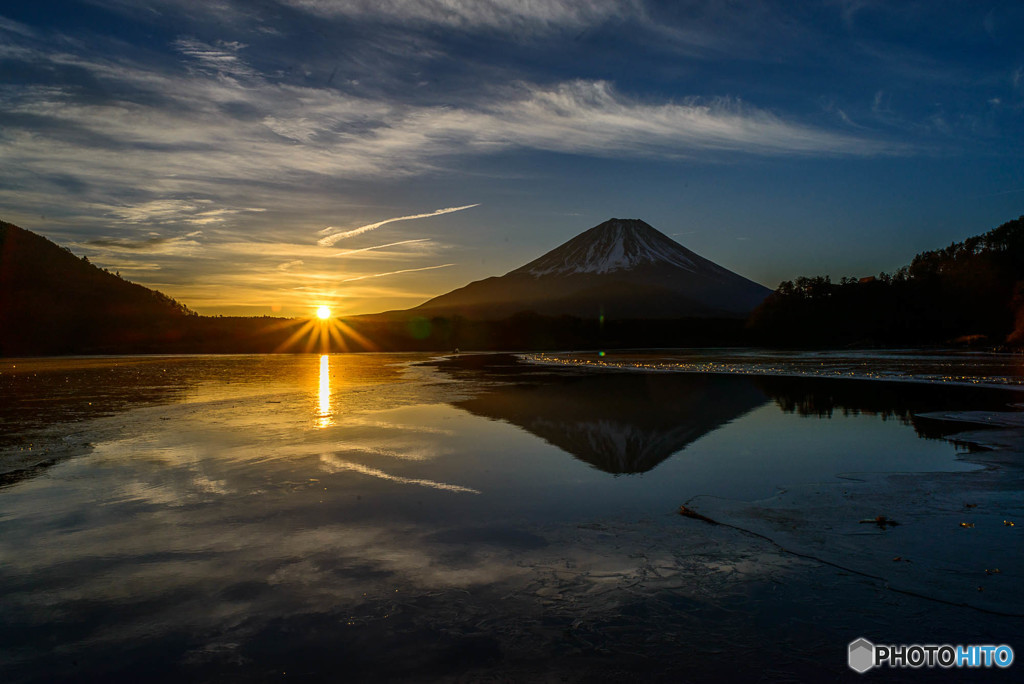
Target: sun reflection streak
[325, 416]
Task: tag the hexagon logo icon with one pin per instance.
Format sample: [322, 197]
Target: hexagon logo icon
[861, 655]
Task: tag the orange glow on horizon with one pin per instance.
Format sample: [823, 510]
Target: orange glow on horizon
[323, 313]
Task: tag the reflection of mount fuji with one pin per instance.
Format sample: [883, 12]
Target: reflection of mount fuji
[630, 422]
[617, 422]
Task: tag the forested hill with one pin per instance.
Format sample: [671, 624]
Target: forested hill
[52, 302]
[969, 292]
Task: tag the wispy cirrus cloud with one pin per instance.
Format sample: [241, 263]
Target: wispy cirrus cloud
[331, 237]
[477, 14]
[154, 243]
[220, 123]
[200, 212]
[12, 26]
[220, 57]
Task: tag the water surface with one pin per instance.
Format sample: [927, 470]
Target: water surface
[402, 517]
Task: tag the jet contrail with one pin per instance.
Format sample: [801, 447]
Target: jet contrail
[390, 244]
[407, 270]
[329, 240]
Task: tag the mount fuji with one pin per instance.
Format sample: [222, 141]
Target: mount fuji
[622, 268]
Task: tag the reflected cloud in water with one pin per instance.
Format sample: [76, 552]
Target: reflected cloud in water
[333, 464]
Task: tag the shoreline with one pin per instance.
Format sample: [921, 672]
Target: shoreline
[752, 369]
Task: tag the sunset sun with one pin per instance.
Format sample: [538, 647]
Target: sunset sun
[323, 313]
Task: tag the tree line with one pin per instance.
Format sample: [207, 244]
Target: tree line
[971, 293]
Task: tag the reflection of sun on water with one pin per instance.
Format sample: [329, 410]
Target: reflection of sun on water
[324, 414]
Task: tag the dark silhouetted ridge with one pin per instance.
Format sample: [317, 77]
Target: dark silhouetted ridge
[52, 302]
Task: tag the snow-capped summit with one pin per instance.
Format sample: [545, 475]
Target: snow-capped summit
[621, 268]
[616, 244]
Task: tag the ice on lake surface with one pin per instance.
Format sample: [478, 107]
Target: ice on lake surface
[934, 367]
[387, 516]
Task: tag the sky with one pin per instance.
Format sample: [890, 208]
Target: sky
[265, 157]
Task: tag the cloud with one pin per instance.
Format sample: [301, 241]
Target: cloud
[149, 137]
[405, 270]
[199, 212]
[129, 266]
[12, 26]
[591, 118]
[419, 28]
[332, 238]
[221, 57]
[505, 15]
[154, 244]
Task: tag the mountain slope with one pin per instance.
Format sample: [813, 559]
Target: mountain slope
[622, 268]
[52, 302]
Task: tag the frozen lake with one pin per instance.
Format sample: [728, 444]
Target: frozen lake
[402, 516]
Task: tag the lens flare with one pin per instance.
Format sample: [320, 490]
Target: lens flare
[323, 333]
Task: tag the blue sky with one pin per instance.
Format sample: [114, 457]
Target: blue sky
[246, 156]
